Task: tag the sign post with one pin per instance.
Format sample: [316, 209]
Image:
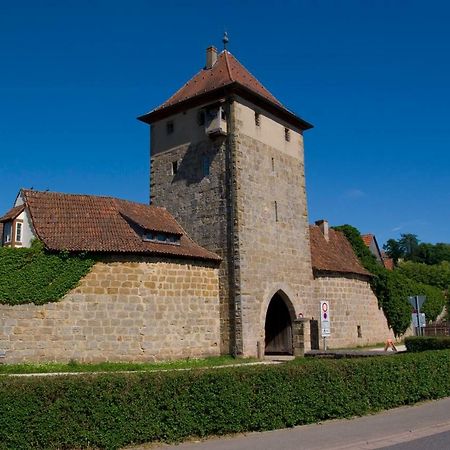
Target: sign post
[325, 321]
[416, 302]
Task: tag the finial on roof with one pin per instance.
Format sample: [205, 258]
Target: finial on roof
[225, 40]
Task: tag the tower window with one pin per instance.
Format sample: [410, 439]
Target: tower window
[205, 165]
[223, 114]
[275, 204]
[170, 127]
[257, 119]
[287, 134]
[174, 167]
[201, 117]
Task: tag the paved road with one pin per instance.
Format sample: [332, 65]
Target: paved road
[439, 441]
[384, 430]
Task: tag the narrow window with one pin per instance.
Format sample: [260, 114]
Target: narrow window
[257, 119]
[170, 127]
[273, 165]
[18, 232]
[276, 211]
[287, 134]
[358, 329]
[205, 166]
[174, 167]
[201, 117]
[7, 232]
[223, 114]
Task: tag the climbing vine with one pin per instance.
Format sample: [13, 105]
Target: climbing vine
[392, 288]
[33, 275]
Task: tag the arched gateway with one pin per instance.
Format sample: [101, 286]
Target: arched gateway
[278, 328]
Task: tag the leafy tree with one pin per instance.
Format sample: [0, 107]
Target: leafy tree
[393, 250]
[392, 288]
[409, 244]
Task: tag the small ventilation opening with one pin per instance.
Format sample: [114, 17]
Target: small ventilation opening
[174, 167]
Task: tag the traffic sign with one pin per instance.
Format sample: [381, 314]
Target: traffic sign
[325, 318]
[417, 301]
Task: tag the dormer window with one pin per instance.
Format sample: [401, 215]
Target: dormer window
[161, 237]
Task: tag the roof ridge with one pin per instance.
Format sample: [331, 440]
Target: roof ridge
[228, 66]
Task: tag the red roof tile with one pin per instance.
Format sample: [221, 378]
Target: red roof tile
[12, 213]
[367, 238]
[334, 255]
[105, 224]
[226, 72]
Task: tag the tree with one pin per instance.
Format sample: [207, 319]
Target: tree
[394, 250]
[409, 243]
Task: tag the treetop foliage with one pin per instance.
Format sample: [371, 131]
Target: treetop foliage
[392, 288]
[409, 248]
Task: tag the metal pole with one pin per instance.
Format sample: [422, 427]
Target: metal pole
[419, 328]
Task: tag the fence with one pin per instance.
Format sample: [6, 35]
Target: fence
[437, 329]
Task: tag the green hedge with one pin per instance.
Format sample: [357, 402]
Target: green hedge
[113, 410]
[32, 275]
[420, 344]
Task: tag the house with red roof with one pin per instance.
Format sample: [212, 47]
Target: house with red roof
[372, 244]
[222, 260]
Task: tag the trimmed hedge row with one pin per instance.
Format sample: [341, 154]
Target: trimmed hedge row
[112, 410]
[423, 343]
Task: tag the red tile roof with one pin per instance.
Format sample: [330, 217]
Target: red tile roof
[12, 213]
[334, 255]
[105, 224]
[367, 238]
[226, 72]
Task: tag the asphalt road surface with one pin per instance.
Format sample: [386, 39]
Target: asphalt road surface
[422, 426]
[440, 441]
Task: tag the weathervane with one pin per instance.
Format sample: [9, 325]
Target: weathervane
[225, 40]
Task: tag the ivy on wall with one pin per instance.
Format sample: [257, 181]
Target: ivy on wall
[393, 288]
[33, 275]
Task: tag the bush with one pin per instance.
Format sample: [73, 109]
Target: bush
[32, 275]
[392, 288]
[423, 343]
[113, 410]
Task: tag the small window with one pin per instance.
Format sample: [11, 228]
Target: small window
[18, 232]
[170, 127]
[223, 114]
[273, 165]
[174, 167]
[161, 237]
[358, 330]
[275, 204]
[7, 232]
[201, 117]
[257, 119]
[205, 165]
[287, 134]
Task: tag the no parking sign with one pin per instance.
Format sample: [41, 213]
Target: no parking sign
[325, 318]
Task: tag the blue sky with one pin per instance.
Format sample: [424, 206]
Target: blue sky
[373, 77]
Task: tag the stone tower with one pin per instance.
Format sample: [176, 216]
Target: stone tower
[227, 162]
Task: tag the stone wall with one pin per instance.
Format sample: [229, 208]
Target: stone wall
[352, 304]
[123, 310]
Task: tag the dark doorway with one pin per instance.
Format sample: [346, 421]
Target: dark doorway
[314, 329]
[278, 328]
